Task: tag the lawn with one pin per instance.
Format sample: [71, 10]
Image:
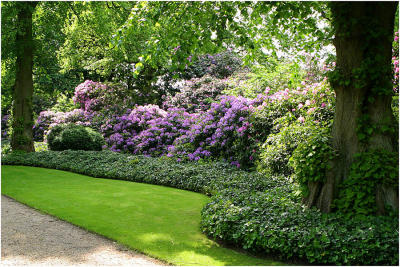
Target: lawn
[159, 221]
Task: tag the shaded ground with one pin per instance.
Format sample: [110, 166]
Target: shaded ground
[29, 237]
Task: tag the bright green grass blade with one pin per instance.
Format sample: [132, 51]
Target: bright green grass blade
[159, 221]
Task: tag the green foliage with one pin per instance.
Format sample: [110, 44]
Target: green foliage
[257, 213]
[395, 107]
[64, 103]
[5, 147]
[368, 171]
[277, 75]
[274, 222]
[41, 146]
[310, 159]
[278, 148]
[74, 137]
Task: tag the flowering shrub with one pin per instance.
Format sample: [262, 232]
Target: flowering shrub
[222, 131]
[47, 119]
[285, 118]
[95, 96]
[42, 124]
[161, 133]
[197, 94]
[395, 66]
[4, 126]
[220, 65]
[310, 103]
[119, 131]
[395, 63]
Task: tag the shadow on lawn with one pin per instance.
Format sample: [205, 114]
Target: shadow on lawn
[204, 253]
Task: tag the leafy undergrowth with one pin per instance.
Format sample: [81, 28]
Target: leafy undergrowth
[160, 221]
[260, 214]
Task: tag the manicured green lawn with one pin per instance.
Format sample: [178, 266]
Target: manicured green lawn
[159, 221]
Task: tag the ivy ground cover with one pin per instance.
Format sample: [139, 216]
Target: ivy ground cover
[159, 221]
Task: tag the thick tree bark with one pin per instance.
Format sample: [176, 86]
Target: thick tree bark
[363, 41]
[22, 136]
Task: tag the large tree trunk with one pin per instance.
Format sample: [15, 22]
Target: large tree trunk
[22, 137]
[363, 41]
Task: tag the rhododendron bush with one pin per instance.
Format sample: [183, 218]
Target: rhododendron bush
[198, 123]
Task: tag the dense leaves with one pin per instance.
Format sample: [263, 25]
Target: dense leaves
[74, 137]
[369, 171]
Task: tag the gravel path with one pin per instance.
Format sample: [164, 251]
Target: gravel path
[29, 237]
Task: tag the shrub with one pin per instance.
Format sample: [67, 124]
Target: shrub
[196, 94]
[50, 118]
[95, 96]
[219, 65]
[120, 131]
[288, 117]
[276, 151]
[161, 133]
[4, 126]
[274, 222]
[224, 131]
[74, 137]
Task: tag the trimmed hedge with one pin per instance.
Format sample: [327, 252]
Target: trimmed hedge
[75, 137]
[258, 214]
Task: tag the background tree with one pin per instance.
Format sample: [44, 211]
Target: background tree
[22, 138]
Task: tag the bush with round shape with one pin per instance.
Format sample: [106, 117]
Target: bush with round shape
[74, 137]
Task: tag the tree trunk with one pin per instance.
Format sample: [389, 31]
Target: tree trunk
[363, 41]
[22, 137]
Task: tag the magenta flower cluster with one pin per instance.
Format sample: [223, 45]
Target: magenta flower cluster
[4, 126]
[395, 63]
[96, 96]
[120, 131]
[223, 131]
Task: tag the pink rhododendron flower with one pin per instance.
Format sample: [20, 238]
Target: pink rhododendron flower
[311, 110]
